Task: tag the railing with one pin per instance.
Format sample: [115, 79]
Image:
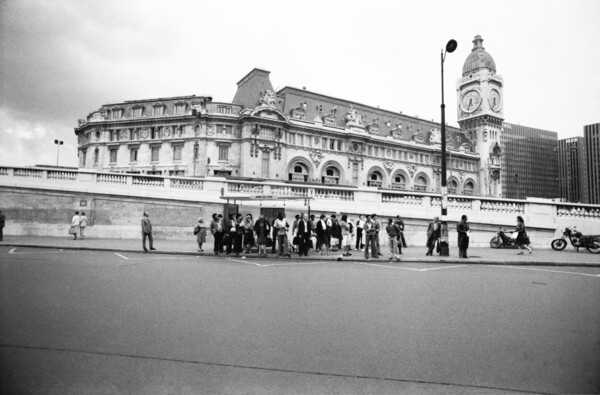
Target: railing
[235, 187]
[578, 212]
[289, 191]
[401, 186]
[148, 181]
[502, 207]
[111, 179]
[334, 194]
[3, 171]
[454, 203]
[28, 173]
[177, 183]
[373, 183]
[406, 200]
[62, 175]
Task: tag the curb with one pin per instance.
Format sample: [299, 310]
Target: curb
[334, 258]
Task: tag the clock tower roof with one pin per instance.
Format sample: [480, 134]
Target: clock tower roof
[478, 58]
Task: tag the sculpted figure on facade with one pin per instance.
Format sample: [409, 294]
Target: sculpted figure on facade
[316, 157]
[435, 136]
[268, 98]
[412, 169]
[388, 165]
[353, 117]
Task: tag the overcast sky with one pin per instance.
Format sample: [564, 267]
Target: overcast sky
[61, 60]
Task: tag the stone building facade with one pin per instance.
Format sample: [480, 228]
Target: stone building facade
[299, 136]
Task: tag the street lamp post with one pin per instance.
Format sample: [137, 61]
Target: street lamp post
[58, 144]
[444, 247]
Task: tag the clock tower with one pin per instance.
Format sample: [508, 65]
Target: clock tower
[480, 114]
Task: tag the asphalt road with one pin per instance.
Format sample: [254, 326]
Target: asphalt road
[101, 322]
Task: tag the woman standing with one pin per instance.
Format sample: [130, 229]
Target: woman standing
[345, 227]
[322, 239]
[200, 232]
[463, 237]
[238, 235]
[281, 226]
[522, 239]
[248, 234]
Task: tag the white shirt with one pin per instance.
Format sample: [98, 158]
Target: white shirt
[75, 220]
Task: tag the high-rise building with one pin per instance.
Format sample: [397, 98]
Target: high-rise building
[572, 170]
[591, 135]
[530, 162]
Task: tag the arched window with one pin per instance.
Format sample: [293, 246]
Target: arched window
[452, 186]
[420, 183]
[298, 172]
[375, 179]
[469, 187]
[399, 182]
[331, 175]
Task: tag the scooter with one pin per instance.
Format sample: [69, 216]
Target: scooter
[501, 240]
[577, 239]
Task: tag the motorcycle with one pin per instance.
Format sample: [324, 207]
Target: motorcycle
[577, 239]
[501, 240]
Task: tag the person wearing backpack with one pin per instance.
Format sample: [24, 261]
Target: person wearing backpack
[200, 232]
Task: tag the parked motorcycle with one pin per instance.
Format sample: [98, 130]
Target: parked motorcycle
[502, 240]
[577, 239]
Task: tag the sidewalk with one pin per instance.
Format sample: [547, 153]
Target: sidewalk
[485, 256]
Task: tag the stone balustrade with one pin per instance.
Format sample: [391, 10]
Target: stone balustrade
[111, 178]
[144, 181]
[62, 175]
[284, 190]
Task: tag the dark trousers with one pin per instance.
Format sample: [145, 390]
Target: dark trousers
[403, 241]
[359, 233]
[282, 245]
[150, 240]
[1, 233]
[218, 242]
[228, 242]
[237, 242]
[370, 242]
[303, 243]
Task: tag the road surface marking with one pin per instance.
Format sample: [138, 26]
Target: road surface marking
[61, 251]
[409, 268]
[547, 270]
[275, 264]
[122, 256]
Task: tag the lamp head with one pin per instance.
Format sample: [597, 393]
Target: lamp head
[451, 46]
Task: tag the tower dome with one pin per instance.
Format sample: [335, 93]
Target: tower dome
[478, 58]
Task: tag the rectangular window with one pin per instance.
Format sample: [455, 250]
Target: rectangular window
[137, 112]
[117, 114]
[83, 156]
[265, 164]
[332, 144]
[227, 129]
[223, 152]
[113, 156]
[339, 145]
[179, 109]
[354, 173]
[158, 111]
[133, 154]
[301, 138]
[224, 109]
[96, 155]
[155, 152]
[177, 152]
[324, 143]
[266, 133]
[291, 138]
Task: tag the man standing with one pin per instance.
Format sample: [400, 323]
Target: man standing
[82, 225]
[369, 229]
[303, 235]
[433, 234]
[216, 229]
[377, 226]
[2, 221]
[75, 225]
[400, 224]
[147, 232]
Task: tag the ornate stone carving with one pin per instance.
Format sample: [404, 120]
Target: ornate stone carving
[388, 165]
[124, 134]
[485, 134]
[237, 133]
[356, 159]
[437, 173]
[316, 156]
[412, 169]
[435, 136]
[495, 174]
[145, 133]
[167, 132]
[210, 130]
[461, 176]
[268, 98]
[352, 117]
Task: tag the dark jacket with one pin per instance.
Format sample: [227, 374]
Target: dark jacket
[463, 240]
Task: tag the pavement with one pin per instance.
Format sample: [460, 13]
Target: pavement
[481, 256]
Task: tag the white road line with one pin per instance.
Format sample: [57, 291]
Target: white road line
[547, 270]
[276, 264]
[442, 267]
[61, 251]
[122, 256]
[409, 268]
[12, 251]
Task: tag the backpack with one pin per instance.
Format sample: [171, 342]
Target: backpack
[196, 230]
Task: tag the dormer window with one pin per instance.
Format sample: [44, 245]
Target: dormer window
[224, 109]
[158, 109]
[137, 112]
[179, 108]
[117, 113]
[299, 113]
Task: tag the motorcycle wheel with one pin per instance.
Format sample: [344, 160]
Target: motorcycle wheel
[496, 242]
[594, 248]
[558, 244]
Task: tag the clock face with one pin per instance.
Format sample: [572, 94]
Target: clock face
[494, 100]
[470, 101]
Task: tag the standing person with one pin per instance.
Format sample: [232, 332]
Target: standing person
[351, 233]
[433, 234]
[345, 227]
[377, 224]
[82, 225]
[400, 224]
[248, 234]
[262, 229]
[322, 238]
[200, 232]
[2, 222]
[463, 237]
[273, 236]
[359, 232]
[75, 225]
[336, 233]
[147, 232]
[281, 227]
[295, 241]
[216, 228]
[312, 230]
[392, 231]
[522, 241]
[369, 229]
[303, 234]
[238, 235]
[230, 232]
